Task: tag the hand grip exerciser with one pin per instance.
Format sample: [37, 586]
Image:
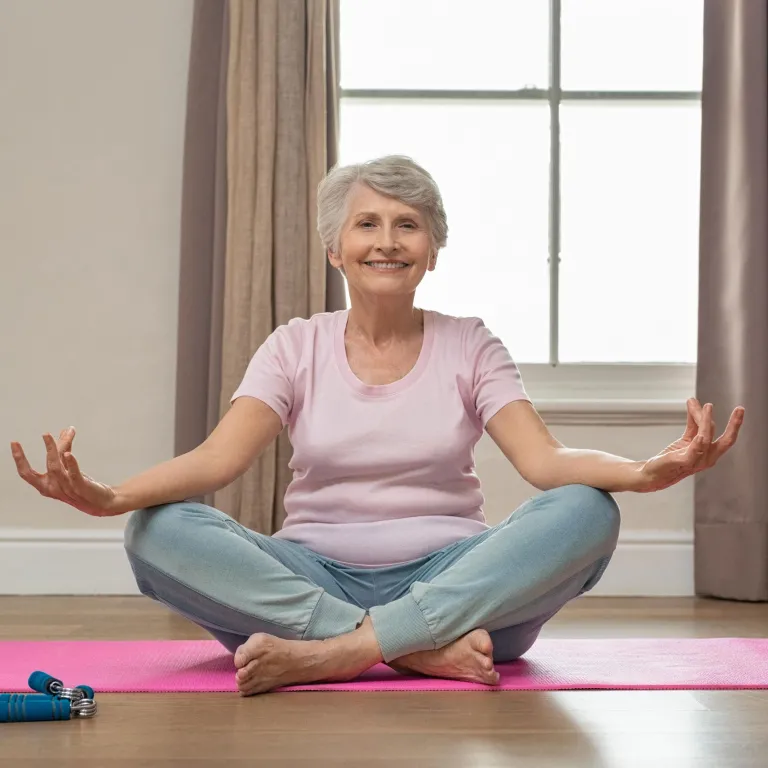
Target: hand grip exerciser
[45, 683]
[51, 702]
[26, 707]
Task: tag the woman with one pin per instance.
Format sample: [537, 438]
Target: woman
[385, 554]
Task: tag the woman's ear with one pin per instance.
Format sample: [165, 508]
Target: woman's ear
[336, 262]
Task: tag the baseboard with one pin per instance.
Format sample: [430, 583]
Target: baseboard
[64, 562]
[93, 562]
[649, 564]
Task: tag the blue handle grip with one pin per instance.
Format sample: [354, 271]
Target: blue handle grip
[41, 681]
[28, 707]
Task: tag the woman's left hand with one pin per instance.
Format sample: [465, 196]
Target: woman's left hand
[694, 452]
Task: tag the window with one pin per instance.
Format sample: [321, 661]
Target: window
[564, 137]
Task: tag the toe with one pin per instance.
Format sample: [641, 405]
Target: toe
[481, 641]
[486, 672]
[249, 685]
[246, 689]
[248, 671]
[254, 647]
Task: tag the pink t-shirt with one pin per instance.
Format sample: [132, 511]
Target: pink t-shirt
[382, 474]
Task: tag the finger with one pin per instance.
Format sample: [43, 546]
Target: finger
[708, 428]
[52, 458]
[731, 434]
[65, 488]
[76, 479]
[691, 430]
[697, 411]
[696, 452]
[80, 487]
[56, 473]
[24, 469]
[66, 437]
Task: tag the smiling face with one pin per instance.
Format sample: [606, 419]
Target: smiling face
[386, 247]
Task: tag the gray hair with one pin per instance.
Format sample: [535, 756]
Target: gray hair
[396, 176]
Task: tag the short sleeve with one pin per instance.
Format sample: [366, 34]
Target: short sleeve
[496, 379]
[271, 371]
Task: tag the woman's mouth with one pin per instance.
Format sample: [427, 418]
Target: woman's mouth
[386, 266]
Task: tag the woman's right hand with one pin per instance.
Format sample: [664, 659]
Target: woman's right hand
[63, 479]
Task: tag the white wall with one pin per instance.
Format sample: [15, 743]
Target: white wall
[92, 94]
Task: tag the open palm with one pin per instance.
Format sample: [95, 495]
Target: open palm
[694, 452]
[63, 479]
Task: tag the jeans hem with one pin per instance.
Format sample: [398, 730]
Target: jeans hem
[401, 628]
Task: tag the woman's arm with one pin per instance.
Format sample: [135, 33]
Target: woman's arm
[587, 467]
[239, 439]
[546, 463]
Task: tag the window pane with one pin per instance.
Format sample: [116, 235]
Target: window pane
[444, 44]
[630, 196]
[629, 45]
[490, 161]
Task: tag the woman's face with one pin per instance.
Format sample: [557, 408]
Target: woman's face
[381, 231]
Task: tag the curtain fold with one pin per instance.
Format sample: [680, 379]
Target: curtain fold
[203, 229]
[731, 499]
[251, 255]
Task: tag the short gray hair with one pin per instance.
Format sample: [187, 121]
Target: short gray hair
[396, 176]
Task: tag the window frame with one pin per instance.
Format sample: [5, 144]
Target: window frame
[555, 381]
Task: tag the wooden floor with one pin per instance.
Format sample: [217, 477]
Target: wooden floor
[663, 729]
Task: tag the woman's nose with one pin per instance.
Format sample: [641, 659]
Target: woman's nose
[387, 240]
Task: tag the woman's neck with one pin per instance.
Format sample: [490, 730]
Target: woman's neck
[381, 325]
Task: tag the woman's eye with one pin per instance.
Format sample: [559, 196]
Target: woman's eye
[367, 224]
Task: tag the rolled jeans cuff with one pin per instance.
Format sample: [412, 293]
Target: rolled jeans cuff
[401, 628]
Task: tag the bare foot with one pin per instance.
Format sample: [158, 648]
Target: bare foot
[265, 662]
[469, 658]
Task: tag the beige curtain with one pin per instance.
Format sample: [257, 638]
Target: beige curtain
[262, 130]
[731, 500]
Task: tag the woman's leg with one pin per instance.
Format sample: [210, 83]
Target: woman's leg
[512, 642]
[553, 548]
[232, 581]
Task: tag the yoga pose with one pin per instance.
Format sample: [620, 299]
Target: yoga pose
[385, 555]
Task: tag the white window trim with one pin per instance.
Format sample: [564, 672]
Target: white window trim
[611, 394]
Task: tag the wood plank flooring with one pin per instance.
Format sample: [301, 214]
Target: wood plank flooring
[577, 729]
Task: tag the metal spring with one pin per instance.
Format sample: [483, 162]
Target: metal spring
[73, 694]
[83, 708]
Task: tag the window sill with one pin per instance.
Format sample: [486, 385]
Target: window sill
[620, 394]
[613, 413]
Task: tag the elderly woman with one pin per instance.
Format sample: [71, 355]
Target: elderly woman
[385, 554]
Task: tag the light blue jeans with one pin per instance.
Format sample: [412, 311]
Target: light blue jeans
[508, 580]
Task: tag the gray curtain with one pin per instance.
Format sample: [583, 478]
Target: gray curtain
[262, 130]
[731, 499]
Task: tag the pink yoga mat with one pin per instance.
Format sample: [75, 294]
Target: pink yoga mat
[552, 664]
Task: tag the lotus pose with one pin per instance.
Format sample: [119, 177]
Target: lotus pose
[385, 554]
